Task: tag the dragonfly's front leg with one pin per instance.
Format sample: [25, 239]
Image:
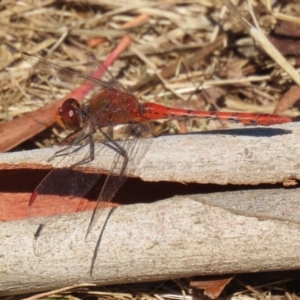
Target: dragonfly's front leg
[91, 156]
[76, 146]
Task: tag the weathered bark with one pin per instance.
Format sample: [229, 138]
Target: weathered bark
[229, 232]
[236, 156]
[243, 231]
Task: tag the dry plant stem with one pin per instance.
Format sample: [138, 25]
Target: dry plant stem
[139, 20]
[19, 130]
[179, 237]
[263, 41]
[169, 71]
[58, 291]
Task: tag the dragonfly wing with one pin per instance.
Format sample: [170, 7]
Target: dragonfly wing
[64, 183]
[67, 75]
[123, 164]
[96, 68]
[61, 192]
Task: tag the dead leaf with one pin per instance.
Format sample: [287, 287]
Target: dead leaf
[212, 285]
[287, 100]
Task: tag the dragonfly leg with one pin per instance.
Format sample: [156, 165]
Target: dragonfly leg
[92, 151]
[106, 193]
[79, 140]
[114, 145]
[62, 152]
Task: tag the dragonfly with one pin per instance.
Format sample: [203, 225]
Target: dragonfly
[110, 106]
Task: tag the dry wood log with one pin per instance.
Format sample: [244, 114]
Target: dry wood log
[252, 155]
[233, 232]
[237, 156]
[180, 237]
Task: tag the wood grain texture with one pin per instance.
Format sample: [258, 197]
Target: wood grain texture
[234, 156]
[233, 232]
[214, 233]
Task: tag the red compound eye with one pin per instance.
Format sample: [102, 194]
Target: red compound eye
[67, 116]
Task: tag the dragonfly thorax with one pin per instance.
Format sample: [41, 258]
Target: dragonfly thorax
[113, 107]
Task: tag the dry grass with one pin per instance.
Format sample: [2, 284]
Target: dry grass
[176, 290]
[235, 76]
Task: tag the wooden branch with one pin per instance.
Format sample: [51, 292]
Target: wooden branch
[234, 156]
[180, 237]
[243, 231]
[244, 156]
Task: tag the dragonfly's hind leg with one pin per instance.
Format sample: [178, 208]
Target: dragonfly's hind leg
[113, 144]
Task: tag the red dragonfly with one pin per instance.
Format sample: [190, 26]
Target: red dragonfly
[112, 106]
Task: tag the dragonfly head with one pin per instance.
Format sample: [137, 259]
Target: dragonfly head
[69, 115]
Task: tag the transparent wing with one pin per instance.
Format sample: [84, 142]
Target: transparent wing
[95, 68]
[129, 153]
[61, 191]
[70, 184]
